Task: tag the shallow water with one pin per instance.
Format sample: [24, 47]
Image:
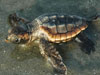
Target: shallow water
[16, 60]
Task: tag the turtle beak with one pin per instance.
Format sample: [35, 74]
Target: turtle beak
[6, 40]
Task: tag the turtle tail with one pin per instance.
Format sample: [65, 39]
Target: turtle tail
[86, 44]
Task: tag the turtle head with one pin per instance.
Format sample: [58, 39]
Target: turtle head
[20, 29]
[17, 34]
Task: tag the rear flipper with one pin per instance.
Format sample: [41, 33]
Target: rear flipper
[86, 44]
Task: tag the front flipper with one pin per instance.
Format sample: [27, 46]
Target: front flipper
[14, 19]
[86, 44]
[53, 56]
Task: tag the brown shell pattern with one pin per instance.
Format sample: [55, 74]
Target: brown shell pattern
[61, 28]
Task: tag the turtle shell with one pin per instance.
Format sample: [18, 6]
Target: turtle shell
[61, 28]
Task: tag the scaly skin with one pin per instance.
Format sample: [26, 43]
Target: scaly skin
[52, 55]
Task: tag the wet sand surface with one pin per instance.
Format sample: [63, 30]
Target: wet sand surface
[16, 60]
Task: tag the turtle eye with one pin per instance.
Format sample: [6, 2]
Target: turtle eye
[16, 40]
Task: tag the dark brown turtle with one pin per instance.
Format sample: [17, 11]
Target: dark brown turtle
[48, 29]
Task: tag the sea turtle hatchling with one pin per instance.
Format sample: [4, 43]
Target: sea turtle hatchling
[49, 29]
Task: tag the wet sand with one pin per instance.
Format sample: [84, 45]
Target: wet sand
[16, 60]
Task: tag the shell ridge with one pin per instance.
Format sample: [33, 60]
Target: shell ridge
[56, 22]
[72, 24]
[66, 21]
